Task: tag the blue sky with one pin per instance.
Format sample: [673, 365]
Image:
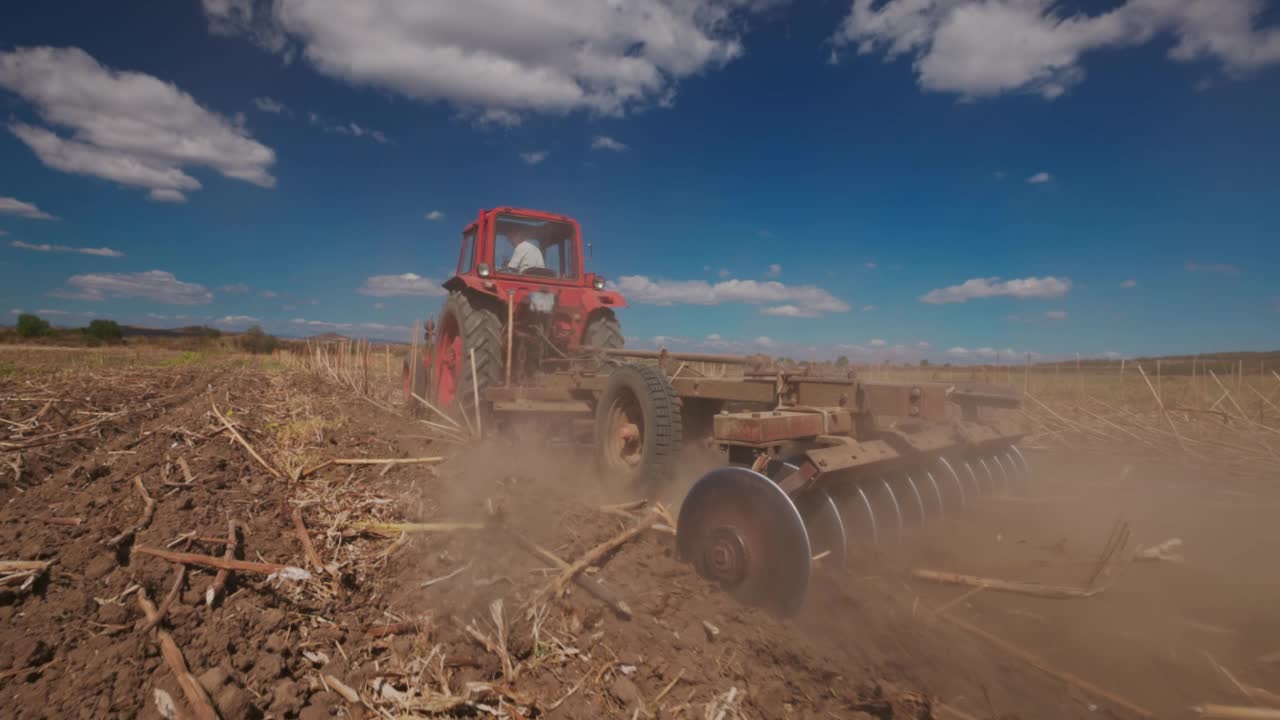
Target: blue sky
[884, 180]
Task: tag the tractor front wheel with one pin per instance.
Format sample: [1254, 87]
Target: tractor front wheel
[466, 327]
[638, 430]
[603, 331]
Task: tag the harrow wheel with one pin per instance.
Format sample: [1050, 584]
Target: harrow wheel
[638, 431]
[738, 528]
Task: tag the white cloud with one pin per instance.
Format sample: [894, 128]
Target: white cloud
[1129, 284]
[868, 308]
[877, 343]
[237, 289]
[986, 352]
[14, 206]
[406, 284]
[922, 345]
[804, 298]
[534, 157]
[167, 195]
[982, 48]
[661, 340]
[1056, 314]
[725, 272]
[1032, 287]
[604, 142]
[267, 293]
[127, 127]
[1039, 178]
[266, 104]
[156, 285]
[379, 306]
[958, 351]
[765, 341]
[346, 128]
[1221, 268]
[713, 337]
[870, 265]
[367, 327]
[774, 270]
[789, 311]
[45, 247]
[497, 61]
[235, 320]
[435, 215]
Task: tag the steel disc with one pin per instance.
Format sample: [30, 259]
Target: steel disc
[973, 477]
[937, 493]
[825, 526]
[738, 528]
[1004, 474]
[871, 516]
[915, 492]
[991, 479]
[955, 477]
[1026, 469]
[897, 509]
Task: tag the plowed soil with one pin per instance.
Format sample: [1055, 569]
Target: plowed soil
[455, 622]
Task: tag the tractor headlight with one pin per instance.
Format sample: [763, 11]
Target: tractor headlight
[598, 283]
[483, 270]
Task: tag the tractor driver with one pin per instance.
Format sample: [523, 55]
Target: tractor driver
[524, 252]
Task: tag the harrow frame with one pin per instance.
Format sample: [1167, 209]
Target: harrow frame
[824, 442]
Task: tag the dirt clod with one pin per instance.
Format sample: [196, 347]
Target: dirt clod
[286, 698]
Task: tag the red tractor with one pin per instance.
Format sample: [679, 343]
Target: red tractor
[528, 338]
[521, 303]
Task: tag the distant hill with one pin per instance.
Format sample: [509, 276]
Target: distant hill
[181, 332]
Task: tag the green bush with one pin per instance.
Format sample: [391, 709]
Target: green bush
[212, 333]
[32, 326]
[258, 342]
[104, 331]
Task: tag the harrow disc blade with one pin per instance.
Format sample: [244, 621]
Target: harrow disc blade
[1022, 460]
[937, 493]
[825, 526]
[1004, 474]
[871, 516]
[738, 528]
[956, 479]
[915, 492]
[973, 477]
[893, 502]
[991, 479]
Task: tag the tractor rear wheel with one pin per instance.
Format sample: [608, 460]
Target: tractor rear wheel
[466, 326]
[638, 430]
[603, 331]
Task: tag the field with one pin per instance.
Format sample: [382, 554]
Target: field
[329, 582]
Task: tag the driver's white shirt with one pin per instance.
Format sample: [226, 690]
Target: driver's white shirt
[526, 255]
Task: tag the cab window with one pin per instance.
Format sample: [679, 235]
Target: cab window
[534, 247]
[468, 257]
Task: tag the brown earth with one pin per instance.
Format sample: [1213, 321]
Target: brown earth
[868, 643]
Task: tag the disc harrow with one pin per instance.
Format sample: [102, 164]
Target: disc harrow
[761, 534]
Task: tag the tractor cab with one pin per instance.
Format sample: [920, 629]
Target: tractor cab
[521, 303]
[525, 246]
